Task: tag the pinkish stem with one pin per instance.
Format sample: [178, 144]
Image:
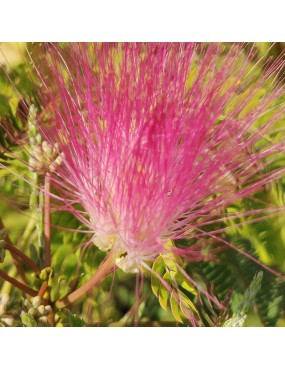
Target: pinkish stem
[105, 268]
[25, 288]
[17, 253]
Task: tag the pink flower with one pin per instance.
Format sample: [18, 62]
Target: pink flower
[157, 139]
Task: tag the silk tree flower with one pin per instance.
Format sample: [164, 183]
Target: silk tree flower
[156, 140]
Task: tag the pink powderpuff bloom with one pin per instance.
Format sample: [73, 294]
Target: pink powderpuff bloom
[156, 140]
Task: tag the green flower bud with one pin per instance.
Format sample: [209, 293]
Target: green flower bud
[32, 120]
[43, 155]
[45, 273]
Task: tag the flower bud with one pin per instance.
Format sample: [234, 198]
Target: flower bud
[44, 274]
[41, 310]
[43, 320]
[26, 303]
[47, 148]
[48, 309]
[5, 299]
[8, 320]
[2, 309]
[32, 311]
[36, 301]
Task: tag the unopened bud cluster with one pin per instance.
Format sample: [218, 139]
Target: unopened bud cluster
[37, 310]
[44, 157]
[6, 318]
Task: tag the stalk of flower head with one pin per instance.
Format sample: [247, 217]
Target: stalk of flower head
[44, 159]
[158, 139]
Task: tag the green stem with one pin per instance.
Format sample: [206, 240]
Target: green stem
[105, 268]
[18, 284]
[47, 250]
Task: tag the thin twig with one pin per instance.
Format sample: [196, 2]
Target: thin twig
[15, 253]
[43, 289]
[18, 284]
[19, 268]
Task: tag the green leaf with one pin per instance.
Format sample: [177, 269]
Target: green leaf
[186, 303]
[175, 309]
[169, 261]
[28, 320]
[59, 289]
[70, 265]
[235, 322]
[247, 302]
[163, 296]
[185, 284]
[71, 319]
[34, 254]
[174, 279]
[158, 268]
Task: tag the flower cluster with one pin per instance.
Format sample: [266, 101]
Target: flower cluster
[157, 139]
